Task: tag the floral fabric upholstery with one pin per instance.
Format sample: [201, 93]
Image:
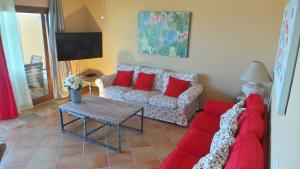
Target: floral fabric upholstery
[158, 81]
[139, 96]
[189, 95]
[157, 106]
[192, 77]
[115, 92]
[129, 67]
[163, 102]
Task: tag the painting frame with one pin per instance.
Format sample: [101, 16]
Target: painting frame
[164, 33]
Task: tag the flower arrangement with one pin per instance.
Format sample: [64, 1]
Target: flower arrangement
[73, 82]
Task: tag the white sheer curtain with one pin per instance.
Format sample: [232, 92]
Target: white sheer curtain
[13, 52]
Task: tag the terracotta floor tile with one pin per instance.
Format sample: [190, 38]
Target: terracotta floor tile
[123, 166]
[69, 162]
[27, 141]
[41, 165]
[68, 140]
[92, 148]
[45, 154]
[139, 141]
[51, 139]
[145, 157]
[163, 150]
[120, 158]
[18, 166]
[98, 160]
[158, 137]
[175, 135]
[18, 156]
[71, 150]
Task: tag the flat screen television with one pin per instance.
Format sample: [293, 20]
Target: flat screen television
[77, 46]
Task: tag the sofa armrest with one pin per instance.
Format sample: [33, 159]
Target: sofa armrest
[216, 107]
[105, 81]
[188, 96]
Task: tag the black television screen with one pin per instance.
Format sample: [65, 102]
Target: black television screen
[76, 46]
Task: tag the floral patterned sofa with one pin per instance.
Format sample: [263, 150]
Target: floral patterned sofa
[156, 105]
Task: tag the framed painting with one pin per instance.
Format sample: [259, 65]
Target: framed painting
[286, 56]
[164, 33]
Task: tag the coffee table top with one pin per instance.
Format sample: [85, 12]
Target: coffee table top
[102, 109]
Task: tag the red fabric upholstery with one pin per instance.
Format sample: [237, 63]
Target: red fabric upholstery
[123, 78]
[252, 124]
[255, 103]
[246, 153]
[217, 107]
[144, 82]
[206, 122]
[196, 142]
[8, 108]
[176, 86]
[179, 160]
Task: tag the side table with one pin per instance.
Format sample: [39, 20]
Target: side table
[90, 81]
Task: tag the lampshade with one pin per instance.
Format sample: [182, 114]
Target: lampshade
[256, 72]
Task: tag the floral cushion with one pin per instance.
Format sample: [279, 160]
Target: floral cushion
[129, 67]
[158, 82]
[192, 77]
[139, 96]
[219, 151]
[163, 101]
[115, 92]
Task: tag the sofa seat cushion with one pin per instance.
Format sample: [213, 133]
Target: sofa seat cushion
[164, 102]
[139, 96]
[246, 153]
[196, 142]
[115, 92]
[206, 122]
[179, 160]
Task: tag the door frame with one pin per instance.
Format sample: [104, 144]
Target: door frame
[44, 14]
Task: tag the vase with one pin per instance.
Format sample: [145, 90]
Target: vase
[75, 95]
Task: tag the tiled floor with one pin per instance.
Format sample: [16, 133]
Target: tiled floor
[40, 145]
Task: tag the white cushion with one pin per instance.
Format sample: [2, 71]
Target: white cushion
[115, 92]
[139, 96]
[164, 102]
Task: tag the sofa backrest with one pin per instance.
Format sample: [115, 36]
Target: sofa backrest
[161, 75]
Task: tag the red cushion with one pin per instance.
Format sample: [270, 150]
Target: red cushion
[217, 107]
[246, 153]
[144, 82]
[123, 78]
[254, 102]
[179, 160]
[206, 122]
[176, 86]
[252, 124]
[196, 142]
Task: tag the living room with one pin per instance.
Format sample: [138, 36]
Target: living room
[232, 49]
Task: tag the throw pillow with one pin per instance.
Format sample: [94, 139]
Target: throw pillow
[219, 151]
[123, 78]
[176, 87]
[144, 82]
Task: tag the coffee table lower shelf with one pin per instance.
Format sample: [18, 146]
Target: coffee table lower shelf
[86, 133]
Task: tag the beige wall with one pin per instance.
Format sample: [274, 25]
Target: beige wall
[38, 3]
[285, 136]
[31, 36]
[225, 37]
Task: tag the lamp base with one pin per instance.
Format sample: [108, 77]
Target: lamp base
[254, 88]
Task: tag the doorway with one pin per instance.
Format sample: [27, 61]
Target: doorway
[32, 22]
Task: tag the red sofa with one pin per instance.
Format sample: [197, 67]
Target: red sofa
[249, 150]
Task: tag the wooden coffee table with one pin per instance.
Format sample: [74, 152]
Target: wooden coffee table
[104, 111]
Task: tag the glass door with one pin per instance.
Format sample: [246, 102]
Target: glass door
[32, 23]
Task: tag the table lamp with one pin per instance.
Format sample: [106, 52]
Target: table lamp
[255, 75]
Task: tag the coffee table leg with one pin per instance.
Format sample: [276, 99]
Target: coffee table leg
[142, 121]
[84, 128]
[119, 138]
[61, 120]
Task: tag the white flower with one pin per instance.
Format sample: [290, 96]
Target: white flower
[73, 82]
